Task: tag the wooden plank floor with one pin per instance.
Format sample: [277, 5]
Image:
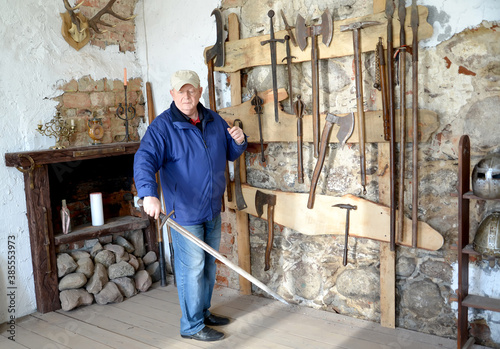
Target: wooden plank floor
[151, 320]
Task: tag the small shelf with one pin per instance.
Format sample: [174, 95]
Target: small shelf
[480, 302]
[113, 225]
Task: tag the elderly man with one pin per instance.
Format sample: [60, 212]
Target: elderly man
[190, 145]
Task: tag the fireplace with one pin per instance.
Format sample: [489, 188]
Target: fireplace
[72, 174]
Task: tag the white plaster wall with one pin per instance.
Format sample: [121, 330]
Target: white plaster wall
[35, 59]
[171, 35]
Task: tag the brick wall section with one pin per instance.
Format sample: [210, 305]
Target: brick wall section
[83, 98]
[123, 34]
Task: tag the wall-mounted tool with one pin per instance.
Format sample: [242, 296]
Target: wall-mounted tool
[272, 44]
[389, 12]
[257, 103]
[240, 200]
[348, 208]
[414, 29]
[402, 120]
[326, 30]
[262, 199]
[356, 27]
[299, 108]
[346, 124]
[289, 58]
[288, 29]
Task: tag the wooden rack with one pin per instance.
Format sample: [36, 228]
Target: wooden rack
[466, 300]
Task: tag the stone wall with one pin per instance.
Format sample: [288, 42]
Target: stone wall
[458, 80]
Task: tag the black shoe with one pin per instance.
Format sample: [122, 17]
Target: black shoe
[214, 320]
[207, 334]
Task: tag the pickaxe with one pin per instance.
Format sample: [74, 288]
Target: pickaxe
[346, 124]
[356, 27]
[262, 199]
[302, 32]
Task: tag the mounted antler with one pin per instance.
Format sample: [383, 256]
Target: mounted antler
[75, 28]
[97, 18]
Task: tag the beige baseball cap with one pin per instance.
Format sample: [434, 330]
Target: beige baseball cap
[183, 77]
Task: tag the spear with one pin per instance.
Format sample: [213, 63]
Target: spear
[414, 29]
[389, 11]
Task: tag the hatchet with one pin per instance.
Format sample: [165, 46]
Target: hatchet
[346, 124]
[262, 199]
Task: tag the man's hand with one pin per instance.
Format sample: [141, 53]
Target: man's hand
[237, 134]
[152, 206]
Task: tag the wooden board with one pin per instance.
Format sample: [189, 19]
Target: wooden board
[370, 220]
[286, 129]
[387, 257]
[249, 52]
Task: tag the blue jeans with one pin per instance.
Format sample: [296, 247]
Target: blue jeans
[195, 273]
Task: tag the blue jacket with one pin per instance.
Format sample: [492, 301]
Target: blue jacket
[191, 163]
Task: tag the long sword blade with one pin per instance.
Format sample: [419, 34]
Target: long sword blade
[170, 222]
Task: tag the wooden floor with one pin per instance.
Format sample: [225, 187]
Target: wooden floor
[151, 320]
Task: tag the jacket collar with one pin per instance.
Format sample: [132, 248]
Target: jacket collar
[179, 117]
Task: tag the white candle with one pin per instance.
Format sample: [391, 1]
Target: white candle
[96, 209]
[72, 122]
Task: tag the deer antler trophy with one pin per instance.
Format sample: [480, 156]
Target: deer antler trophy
[76, 27]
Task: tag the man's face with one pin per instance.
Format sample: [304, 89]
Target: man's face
[187, 98]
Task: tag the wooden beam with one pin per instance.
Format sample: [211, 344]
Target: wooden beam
[370, 220]
[242, 230]
[285, 130]
[246, 53]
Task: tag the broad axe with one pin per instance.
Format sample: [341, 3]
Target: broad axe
[302, 32]
[356, 27]
[217, 52]
[346, 124]
[262, 199]
[348, 208]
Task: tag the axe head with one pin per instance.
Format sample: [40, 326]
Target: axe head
[301, 32]
[326, 27]
[217, 51]
[346, 124]
[358, 25]
[262, 199]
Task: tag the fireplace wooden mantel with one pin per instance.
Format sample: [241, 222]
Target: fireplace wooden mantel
[43, 238]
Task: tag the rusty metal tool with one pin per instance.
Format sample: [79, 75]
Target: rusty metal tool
[262, 199]
[217, 53]
[289, 58]
[346, 124]
[389, 12]
[348, 209]
[288, 28]
[326, 30]
[383, 89]
[299, 109]
[240, 200]
[272, 44]
[414, 29]
[402, 120]
[356, 28]
[257, 103]
[166, 219]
